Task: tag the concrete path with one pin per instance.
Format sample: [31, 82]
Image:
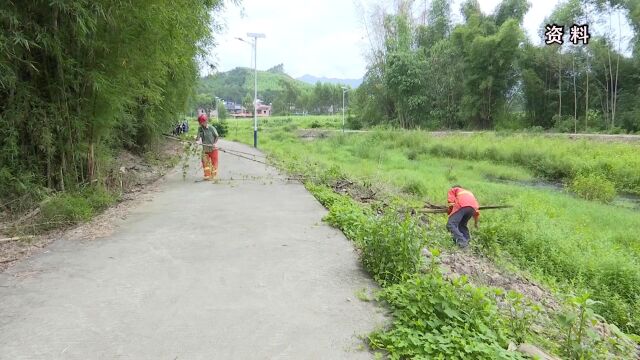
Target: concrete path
[237, 270]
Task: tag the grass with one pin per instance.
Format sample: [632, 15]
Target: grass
[68, 208]
[572, 244]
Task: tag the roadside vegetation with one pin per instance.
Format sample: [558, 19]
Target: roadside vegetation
[81, 81]
[575, 246]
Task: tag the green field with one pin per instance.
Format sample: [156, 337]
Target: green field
[569, 243]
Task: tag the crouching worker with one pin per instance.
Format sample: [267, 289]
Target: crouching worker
[208, 137]
[462, 206]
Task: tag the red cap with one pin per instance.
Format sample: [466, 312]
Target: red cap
[202, 118]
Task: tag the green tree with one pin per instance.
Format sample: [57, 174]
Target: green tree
[97, 76]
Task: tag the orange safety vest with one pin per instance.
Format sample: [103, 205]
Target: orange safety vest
[458, 198]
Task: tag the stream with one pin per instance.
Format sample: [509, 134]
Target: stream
[628, 201]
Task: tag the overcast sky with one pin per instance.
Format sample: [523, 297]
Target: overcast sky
[318, 37]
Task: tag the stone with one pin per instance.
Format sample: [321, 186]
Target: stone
[535, 352]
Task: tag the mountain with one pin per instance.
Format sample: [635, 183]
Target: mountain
[310, 79]
[234, 85]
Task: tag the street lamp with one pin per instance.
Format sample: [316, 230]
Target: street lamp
[255, 37]
[344, 91]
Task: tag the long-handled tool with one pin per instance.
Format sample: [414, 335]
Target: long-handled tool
[443, 210]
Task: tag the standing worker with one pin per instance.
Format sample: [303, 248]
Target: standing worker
[208, 137]
[462, 206]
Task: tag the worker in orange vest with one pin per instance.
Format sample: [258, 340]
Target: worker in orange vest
[462, 206]
[208, 137]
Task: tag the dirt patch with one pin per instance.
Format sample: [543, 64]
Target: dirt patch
[482, 271]
[138, 181]
[356, 191]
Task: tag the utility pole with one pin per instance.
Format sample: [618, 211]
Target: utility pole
[255, 37]
[344, 91]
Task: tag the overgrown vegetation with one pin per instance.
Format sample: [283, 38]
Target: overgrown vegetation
[80, 80]
[596, 165]
[570, 244]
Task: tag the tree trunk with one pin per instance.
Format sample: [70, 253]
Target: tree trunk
[91, 166]
[575, 97]
[560, 86]
[615, 87]
[586, 107]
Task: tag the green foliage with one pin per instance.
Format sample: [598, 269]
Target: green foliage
[569, 243]
[415, 187]
[79, 79]
[222, 111]
[481, 71]
[222, 127]
[553, 159]
[593, 187]
[574, 243]
[522, 315]
[74, 207]
[579, 338]
[315, 125]
[391, 248]
[438, 319]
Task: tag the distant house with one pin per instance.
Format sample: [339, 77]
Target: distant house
[210, 113]
[263, 110]
[236, 110]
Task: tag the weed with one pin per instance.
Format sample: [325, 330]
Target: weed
[522, 313]
[578, 336]
[593, 187]
[74, 207]
[414, 187]
[434, 318]
[362, 295]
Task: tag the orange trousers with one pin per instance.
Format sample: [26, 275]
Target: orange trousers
[209, 160]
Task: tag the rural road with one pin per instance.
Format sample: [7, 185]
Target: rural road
[235, 270]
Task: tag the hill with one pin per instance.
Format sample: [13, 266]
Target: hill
[310, 79]
[235, 84]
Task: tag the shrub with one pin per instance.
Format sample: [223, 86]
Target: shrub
[315, 124]
[415, 187]
[436, 319]
[593, 187]
[391, 248]
[74, 207]
[67, 208]
[222, 126]
[354, 123]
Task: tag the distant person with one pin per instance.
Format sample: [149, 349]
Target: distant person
[208, 137]
[462, 206]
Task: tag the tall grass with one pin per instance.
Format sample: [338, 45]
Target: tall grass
[564, 240]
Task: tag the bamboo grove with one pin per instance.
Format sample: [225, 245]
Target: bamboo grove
[80, 79]
[482, 72]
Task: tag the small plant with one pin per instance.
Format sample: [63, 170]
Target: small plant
[362, 295]
[391, 248]
[593, 187]
[522, 312]
[438, 319]
[315, 124]
[578, 334]
[74, 207]
[222, 127]
[415, 187]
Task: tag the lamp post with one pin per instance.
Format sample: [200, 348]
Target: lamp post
[255, 37]
[344, 91]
